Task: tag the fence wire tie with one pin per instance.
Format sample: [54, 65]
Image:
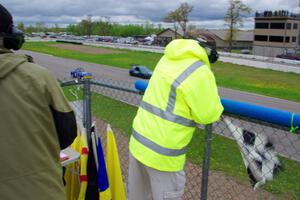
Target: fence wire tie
[293, 128]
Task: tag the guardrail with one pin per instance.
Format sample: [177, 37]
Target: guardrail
[261, 58]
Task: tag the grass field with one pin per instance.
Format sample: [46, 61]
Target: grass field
[225, 155]
[261, 81]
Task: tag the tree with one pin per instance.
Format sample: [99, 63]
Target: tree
[173, 17]
[180, 17]
[21, 26]
[87, 25]
[159, 27]
[234, 18]
[191, 28]
[183, 12]
[103, 27]
[148, 28]
[40, 26]
[56, 28]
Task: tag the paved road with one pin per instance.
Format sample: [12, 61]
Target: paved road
[61, 67]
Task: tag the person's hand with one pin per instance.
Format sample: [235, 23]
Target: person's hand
[29, 58]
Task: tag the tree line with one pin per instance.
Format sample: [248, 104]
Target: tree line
[101, 27]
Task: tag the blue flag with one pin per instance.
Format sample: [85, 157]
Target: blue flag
[104, 191]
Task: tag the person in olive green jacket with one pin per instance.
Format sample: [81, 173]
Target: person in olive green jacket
[36, 122]
[181, 93]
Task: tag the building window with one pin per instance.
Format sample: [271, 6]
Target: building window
[276, 39]
[277, 25]
[261, 38]
[287, 39]
[288, 26]
[262, 25]
[293, 39]
[295, 26]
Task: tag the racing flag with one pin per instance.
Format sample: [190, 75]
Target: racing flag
[92, 192]
[113, 167]
[104, 190]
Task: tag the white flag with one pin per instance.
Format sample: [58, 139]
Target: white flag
[258, 154]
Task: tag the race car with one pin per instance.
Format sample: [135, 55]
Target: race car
[80, 73]
[140, 71]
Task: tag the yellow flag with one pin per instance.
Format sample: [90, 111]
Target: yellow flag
[113, 168]
[76, 185]
[71, 178]
[83, 165]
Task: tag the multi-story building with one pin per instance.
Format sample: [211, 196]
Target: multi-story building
[276, 33]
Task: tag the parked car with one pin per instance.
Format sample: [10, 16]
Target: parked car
[289, 57]
[80, 73]
[140, 71]
[245, 51]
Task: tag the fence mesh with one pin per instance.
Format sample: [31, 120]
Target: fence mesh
[228, 177]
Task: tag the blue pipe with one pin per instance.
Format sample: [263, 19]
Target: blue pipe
[266, 114]
[141, 85]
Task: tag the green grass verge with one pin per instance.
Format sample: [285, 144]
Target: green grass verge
[261, 81]
[225, 155]
[123, 59]
[73, 93]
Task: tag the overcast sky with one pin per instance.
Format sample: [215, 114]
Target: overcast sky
[206, 13]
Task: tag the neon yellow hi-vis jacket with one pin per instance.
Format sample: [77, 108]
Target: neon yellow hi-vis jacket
[181, 93]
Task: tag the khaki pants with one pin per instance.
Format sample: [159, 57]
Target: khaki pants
[145, 183]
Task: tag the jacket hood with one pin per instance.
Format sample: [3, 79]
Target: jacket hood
[9, 61]
[184, 49]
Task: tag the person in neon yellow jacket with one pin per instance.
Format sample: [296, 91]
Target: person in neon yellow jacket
[181, 93]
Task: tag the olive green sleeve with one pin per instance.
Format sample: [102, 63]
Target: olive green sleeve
[63, 115]
[56, 95]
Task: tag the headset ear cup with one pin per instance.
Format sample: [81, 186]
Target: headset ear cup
[213, 56]
[14, 42]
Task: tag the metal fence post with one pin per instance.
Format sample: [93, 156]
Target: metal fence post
[205, 166]
[87, 110]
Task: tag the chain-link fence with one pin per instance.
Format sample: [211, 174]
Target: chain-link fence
[239, 147]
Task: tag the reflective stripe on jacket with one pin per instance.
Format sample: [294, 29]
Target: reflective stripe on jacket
[181, 93]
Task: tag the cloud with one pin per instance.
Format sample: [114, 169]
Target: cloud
[205, 12]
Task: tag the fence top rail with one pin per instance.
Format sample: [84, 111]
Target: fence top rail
[262, 113]
[70, 83]
[92, 82]
[116, 87]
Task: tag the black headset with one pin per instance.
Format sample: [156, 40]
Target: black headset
[212, 53]
[13, 38]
